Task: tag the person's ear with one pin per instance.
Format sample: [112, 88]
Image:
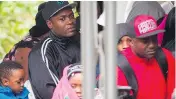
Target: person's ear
[5, 81]
[49, 24]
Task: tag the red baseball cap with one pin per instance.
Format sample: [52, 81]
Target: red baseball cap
[144, 26]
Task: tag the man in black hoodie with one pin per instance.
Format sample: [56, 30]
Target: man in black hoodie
[48, 59]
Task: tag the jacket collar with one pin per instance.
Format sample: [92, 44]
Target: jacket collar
[63, 41]
[7, 90]
[23, 94]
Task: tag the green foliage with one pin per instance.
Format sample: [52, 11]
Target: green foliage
[16, 18]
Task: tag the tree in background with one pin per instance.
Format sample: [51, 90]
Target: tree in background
[16, 18]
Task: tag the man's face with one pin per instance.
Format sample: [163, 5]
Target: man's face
[63, 23]
[144, 47]
[123, 43]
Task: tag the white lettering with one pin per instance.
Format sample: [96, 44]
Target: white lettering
[146, 26]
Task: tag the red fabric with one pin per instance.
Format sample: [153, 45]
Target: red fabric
[161, 26]
[151, 82]
[144, 24]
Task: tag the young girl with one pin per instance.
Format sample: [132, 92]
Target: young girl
[12, 81]
[70, 85]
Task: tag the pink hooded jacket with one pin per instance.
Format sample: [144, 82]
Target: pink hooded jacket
[161, 26]
[64, 89]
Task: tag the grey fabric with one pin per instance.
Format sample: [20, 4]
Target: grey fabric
[152, 8]
[124, 29]
[151, 33]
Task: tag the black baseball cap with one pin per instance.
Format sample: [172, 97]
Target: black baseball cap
[52, 7]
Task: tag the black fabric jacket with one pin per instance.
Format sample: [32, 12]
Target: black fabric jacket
[47, 61]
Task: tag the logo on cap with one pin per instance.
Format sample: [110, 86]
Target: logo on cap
[144, 26]
[147, 26]
[60, 2]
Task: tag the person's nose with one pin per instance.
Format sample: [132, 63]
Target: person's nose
[125, 45]
[152, 44]
[22, 84]
[71, 20]
[78, 90]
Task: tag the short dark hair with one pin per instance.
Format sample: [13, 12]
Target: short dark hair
[6, 68]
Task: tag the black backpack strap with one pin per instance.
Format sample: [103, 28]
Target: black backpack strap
[128, 72]
[162, 61]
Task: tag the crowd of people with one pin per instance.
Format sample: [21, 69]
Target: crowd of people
[46, 63]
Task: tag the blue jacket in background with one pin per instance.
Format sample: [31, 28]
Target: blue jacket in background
[6, 93]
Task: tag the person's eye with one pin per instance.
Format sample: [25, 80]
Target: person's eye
[145, 40]
[18, 82]
[120, 41]
[72, 16]
[129, 40]
[62, 19]
[73, 86]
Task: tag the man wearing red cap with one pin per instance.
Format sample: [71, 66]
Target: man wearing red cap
[146, 67]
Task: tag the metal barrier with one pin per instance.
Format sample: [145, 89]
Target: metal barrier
[88, 51]
[110, 50]
[88, 48]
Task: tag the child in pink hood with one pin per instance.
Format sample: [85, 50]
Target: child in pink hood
[70, 85]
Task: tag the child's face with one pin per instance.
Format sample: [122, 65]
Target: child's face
[123, 43]
[15, 81]
[76, 84]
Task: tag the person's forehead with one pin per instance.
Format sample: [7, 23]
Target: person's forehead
[76, 76]
[153, 36]
[17, 73]
[124, 37]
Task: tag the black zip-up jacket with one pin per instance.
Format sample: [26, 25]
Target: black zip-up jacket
[47, 61]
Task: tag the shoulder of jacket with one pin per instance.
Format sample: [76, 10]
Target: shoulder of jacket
[41, 44]
[167, 52]
[4, 96]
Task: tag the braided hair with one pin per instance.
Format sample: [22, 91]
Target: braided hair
[6, 68]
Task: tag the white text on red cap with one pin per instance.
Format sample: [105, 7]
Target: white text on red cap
[147, 26]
